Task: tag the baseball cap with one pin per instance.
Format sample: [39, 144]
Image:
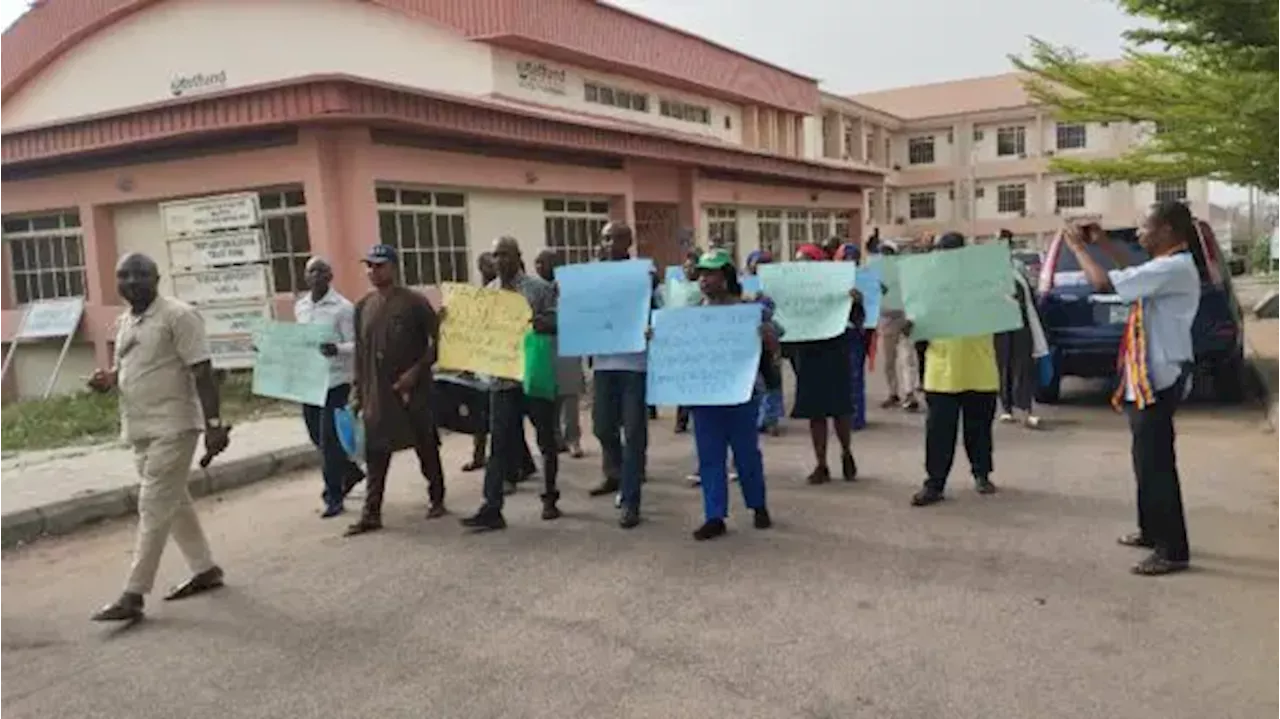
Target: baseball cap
[381, 254]
[714, 259]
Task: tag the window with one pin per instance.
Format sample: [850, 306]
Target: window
[1171, 191]
[1068, 194]
[284, 221]
[615, 97]
[923, 205]
[430, 231]
[46, 255]
[820, 226]
[769, 225]
[1011, 198]
[844, 223]
[1011, 141]
[573, 227]
[722, 229]
[685, 111]
[797, 231]
[1072, 136]
[920, 150]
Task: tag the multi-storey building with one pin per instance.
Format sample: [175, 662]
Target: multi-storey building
[433, 126]
[973, 155]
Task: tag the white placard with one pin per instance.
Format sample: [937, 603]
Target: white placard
[236, 319]
[202, 215]
[51, 318]
[229, 284]
[225, 248]
[231, 351]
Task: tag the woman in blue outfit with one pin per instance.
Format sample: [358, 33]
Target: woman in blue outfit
[857, 339]
[771, 404]
[718, 429]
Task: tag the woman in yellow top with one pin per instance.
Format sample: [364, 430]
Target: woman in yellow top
[961, 383]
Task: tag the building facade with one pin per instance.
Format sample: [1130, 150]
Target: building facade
[433, 126]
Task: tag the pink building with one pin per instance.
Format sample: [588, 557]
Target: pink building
[432, 125]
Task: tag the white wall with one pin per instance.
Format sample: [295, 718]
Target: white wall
[944, 206]
[988, 206]
[491, 215]
[984, 150]
[811, 127]
[506, 81]
[138, 229]
[944, 153]
[33, 364]
[137, 60]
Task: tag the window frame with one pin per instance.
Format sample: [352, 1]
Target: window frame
[1071, 130]
[433, 210]
[595, 93]
[684, 111]
[919, 147]
[285, 204]
[917, 201]
[1171, 192]
[1013, 192]
[1071, 185]
[584, 224]
[722, 220]
[1015, 134]
[69, 228]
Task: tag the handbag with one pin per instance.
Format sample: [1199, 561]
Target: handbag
[540, 366]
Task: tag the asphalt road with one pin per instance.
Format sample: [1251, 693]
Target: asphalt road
[1018, 605]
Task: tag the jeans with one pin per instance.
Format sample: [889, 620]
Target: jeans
[1161, 518]
[507, 448]
[335, 466]
[716, 430]
[858, 377]
[977, 410]
[620, 422]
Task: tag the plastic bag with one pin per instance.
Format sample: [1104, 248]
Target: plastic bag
[350, 430]
[540, 365]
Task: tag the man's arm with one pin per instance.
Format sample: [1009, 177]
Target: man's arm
[353, 400]
[1093, 272]
[544, 311]
[192, 346]
[346, 330]
[207, 389]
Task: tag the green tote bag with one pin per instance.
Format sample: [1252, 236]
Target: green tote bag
[540, 365]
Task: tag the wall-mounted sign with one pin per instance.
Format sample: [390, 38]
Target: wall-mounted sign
[229, 284]
[540, 76]
[209, 214]
[225, 248]
[200, 82]
[234, 352]
[234, 319]
[51, 318]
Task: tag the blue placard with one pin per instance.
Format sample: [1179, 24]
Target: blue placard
[604, 307]
[750, 284]
[868, 283]
[704, 356]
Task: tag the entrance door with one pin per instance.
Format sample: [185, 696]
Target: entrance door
[656, 226]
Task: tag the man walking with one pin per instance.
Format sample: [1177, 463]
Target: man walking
[509, 404]
[324, 306]
[1155, 364]
[619, 414]
[396, 339]
[167, 394]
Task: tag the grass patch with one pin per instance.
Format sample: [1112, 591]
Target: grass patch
[92, 418]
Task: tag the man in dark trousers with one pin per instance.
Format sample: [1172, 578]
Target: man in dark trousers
[396, 339]
[1154, 365]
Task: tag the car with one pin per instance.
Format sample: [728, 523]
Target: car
[1032, 261]
[1084, 328]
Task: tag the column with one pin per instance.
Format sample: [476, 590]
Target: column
[100, 255]
[342, 215]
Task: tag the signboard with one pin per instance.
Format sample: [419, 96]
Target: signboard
[240, 318]
[232, 352]
[200, 82]
[225, 248]
[51, 318]
[229, 284]
[202, 215]
[534, 75]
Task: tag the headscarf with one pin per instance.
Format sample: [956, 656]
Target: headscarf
[759, 257]
[813, 252]
[849, 252]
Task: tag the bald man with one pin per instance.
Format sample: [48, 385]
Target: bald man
[164, 377]
[324, 306]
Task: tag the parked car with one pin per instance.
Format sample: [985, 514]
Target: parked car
[1084, 327]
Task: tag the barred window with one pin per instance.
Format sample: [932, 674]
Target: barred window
[1171, 191]
[722, 229]
[923, 205]
[920, 150]
[573, 227]
[46, 255]
[284, 222]
[1011, 198]
[429, 229]
[1011, 141]
[1072, 136]
[1069, 194]
[769, 226]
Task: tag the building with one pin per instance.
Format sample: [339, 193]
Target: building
[433, 126]
[973, 155]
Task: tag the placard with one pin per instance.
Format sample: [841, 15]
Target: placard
[483, 330]
[289, 365]
[604, 307]
[231, 352]
[961, 292]
[201, 215]
[234, 319]
[225, 248]
[51, 318]
[229, 284]
[704, 356]
[811, 299]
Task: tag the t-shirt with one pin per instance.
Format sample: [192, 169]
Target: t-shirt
[961, 364]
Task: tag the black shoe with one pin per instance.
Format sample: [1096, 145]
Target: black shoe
[549, 509]
[762, 519]
[820, 475]
[848, 467]
[710, 530]
[436, 510]
[128, 608]
[364, 526]
[983, 485]
[629, 518]
[925, 497]
[609, 486]
[332, 511]
[350, 481]
[890, 403]
[205, 581]
[485, 520]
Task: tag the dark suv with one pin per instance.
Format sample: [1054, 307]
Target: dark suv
[1084, 327]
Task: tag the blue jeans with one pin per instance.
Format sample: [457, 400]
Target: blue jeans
[336, 467]
[858, 378]
[770, 408]
[620, 421]
[716, 430]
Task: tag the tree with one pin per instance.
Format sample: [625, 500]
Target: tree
[1210, 94]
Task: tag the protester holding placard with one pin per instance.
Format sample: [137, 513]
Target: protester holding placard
[960, 384]
[857, 339]
[570, 383]
[897, 352]
[689, 270]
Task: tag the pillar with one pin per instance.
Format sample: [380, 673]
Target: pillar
[100, 255]
[342, 214]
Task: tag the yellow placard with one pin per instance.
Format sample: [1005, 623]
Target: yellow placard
[483, 330]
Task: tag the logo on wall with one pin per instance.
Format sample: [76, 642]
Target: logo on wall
[199, 82]
[539, 76]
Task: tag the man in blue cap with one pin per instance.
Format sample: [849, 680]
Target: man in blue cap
[397, 333]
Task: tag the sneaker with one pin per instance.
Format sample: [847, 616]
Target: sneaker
[1031, 422]
[983, 485]
[925, 497]
[629, 518]
[693, 479]
[911, 405]
[710, 530]
[890, 403]
[762, 519]
[485, 520]
[1006, 417]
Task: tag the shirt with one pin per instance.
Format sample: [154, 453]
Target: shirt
[153, 358]
[541, 296]
[961, 364]
[334, 311]
[1169, 289]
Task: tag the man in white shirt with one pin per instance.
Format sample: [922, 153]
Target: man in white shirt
[324, 306]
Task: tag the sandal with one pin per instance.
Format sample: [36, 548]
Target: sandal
[1135, 539]
[819, 475]
[1156, 565]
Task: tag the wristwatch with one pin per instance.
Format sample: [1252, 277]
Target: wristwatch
[213, 423]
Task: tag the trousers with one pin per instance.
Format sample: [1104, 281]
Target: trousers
[569, 424]
[335, 466]
[977, 410]
[900, 371]
[1017, 369]
[716, 430]
[1161, 518]
[620, 422]
[165, 507]
[426, 444]
[507, 410]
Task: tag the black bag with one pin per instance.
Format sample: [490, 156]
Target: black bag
[461, 407]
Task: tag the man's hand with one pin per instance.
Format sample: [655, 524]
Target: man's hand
[1074, 239]
[405, 384]
[906, 328]
[103, 380]
[442, 313]
[856, 296]
[329, 349]
[216, 440]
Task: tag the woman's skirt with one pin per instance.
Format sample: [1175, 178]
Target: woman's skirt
[823, 382]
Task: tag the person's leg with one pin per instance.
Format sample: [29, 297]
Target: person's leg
[1024, 379]
[377, 462]
[909, 371]
[711, 436]
[818, 437]
[1160, 492]
[543, 413]
[843, 427]
[858, 379]
[940, 427]
[479, 447]
[745, 442]
[527, 466]
[506, 430]
[922, 350]
[164, 508]
[889, 338]
[311, 417]
[337, 468]
[635, 442]
[606, 421]
[978, 411]
[479, 406]
[427, 446]
[682, 419]
[1004, 365]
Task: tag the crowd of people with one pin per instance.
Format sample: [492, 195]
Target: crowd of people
[382, 368]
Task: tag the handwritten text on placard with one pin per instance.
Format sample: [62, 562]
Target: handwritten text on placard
[604, 307]
[704, 356]
[811, 298]
[289, 365]
[959, 293]
[483, 330]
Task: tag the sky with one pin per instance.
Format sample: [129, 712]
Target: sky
[856, 46]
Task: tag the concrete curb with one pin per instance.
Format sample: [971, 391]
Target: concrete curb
[68, 515]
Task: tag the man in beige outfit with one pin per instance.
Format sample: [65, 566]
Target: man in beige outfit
[167, 395]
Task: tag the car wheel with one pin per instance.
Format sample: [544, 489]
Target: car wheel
[1050, 386]
[1229, 379]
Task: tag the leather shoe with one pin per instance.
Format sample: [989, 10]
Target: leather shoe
[198, 584]
[128, 608]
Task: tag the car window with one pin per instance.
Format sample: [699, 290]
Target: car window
[1126, 241]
